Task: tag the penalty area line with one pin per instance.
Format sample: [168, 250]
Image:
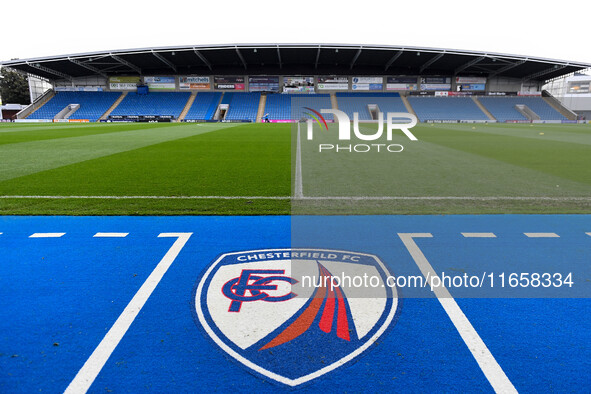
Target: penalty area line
[95, 363]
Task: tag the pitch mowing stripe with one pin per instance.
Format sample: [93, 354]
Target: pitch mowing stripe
[26, 158]
[353, 198]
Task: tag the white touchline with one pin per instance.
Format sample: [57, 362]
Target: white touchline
[489, 366]
[299, 189]
[88, 373]
[479, 235]
[110, 235]
[47, 235]
[354, 198]
[542, 235]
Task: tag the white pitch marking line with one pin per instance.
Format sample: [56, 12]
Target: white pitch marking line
[93, 366]
[151, 197]
[489, 366]
[542, 235]
[353, 198]
[299, 188]
[479, 235]
[47, 235]
[110, 235]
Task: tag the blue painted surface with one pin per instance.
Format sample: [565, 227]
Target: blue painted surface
[59, 296]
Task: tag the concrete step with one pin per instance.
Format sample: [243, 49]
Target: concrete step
[333, 101]
[483, 108]
[115, 105]
[187, 106]
[262, 104]
[36, 106]
[408, 106]
[558, 106]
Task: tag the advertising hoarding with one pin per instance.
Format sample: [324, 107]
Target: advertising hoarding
[160, 83]
[229, 83]
[369, 80]
[195, 82]
[263, 84]
[405, 82]
[477, 80]
[333, 83]
[436, 86]
[402, 79]
[470, 87]
[368, 86]
[123, 83]
[298, 84]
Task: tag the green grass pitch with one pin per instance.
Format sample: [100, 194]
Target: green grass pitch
[494, 168]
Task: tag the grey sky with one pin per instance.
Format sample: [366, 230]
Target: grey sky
[523, 28]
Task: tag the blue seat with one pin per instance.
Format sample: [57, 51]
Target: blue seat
[152, 104]
[92, 105]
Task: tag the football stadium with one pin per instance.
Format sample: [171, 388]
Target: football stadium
[296, 217]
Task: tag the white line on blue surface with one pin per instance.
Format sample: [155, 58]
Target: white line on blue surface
[479, 235]
[486, 361]
[110, 235]
[47, 235]
[95, 363]
[542, 235]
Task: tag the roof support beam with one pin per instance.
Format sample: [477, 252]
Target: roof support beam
[164, 60]
[203, 59]
[431, 61]
[241, 58]
[50, 71]
[279, 57]
[317, 58]
[356, 57]
[393, 59]
[469, 64]
[128, 64]
[507, 68]
[86, 66]
[556, 67]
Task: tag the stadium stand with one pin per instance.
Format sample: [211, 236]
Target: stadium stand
[359, 102]
[242, 106]
[278, 106]
[503, 108]
[92, 105]
[292, 106]
[446, 108]
[204, 106]
[315, 101]
[153, 103]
